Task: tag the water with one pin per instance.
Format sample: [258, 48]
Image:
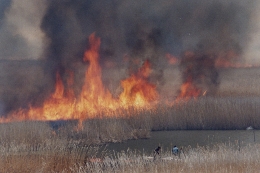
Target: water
[186, 138]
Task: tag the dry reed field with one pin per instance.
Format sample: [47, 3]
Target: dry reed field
[220, 158]
[34, 146]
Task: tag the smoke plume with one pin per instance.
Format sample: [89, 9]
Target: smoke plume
[57, 32]
[252, 50]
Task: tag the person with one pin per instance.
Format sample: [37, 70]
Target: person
[157, 150]
[175, 150]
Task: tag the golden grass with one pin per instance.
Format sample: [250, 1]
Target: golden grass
[220, 158]
[208, 114]
[43, 147]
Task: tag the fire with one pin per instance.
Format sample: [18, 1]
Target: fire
[57, 107]
[137, 90]
[230, 59]
[172, 60]
[94, 97]
[199, 75]
[189, 90]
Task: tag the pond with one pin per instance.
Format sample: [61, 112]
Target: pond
[187, 138]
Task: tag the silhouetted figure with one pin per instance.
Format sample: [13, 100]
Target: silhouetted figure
[157, 150]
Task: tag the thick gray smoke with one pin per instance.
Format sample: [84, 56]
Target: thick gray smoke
[21, 44]
[136, 29]
[20, 33]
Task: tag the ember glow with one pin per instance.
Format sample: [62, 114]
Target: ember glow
[94, 97]
[172, 60]
[189, 90]
[231, 59]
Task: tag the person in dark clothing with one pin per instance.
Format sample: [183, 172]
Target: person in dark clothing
[157, 150]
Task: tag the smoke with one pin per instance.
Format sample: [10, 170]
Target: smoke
[148, 30]
[21, 40]
[20, 33]
[220, 34]
[252, 51]
[58, 30]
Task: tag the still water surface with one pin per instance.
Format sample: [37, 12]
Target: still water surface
[186, 138]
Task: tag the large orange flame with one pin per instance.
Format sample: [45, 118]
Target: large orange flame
[94, 97]
[137, 89]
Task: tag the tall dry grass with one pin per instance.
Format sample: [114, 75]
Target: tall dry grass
[200, 114]
[61, 147]
[220, 158]
[208, 114]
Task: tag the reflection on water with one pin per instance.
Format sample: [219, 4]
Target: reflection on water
[194, 138]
